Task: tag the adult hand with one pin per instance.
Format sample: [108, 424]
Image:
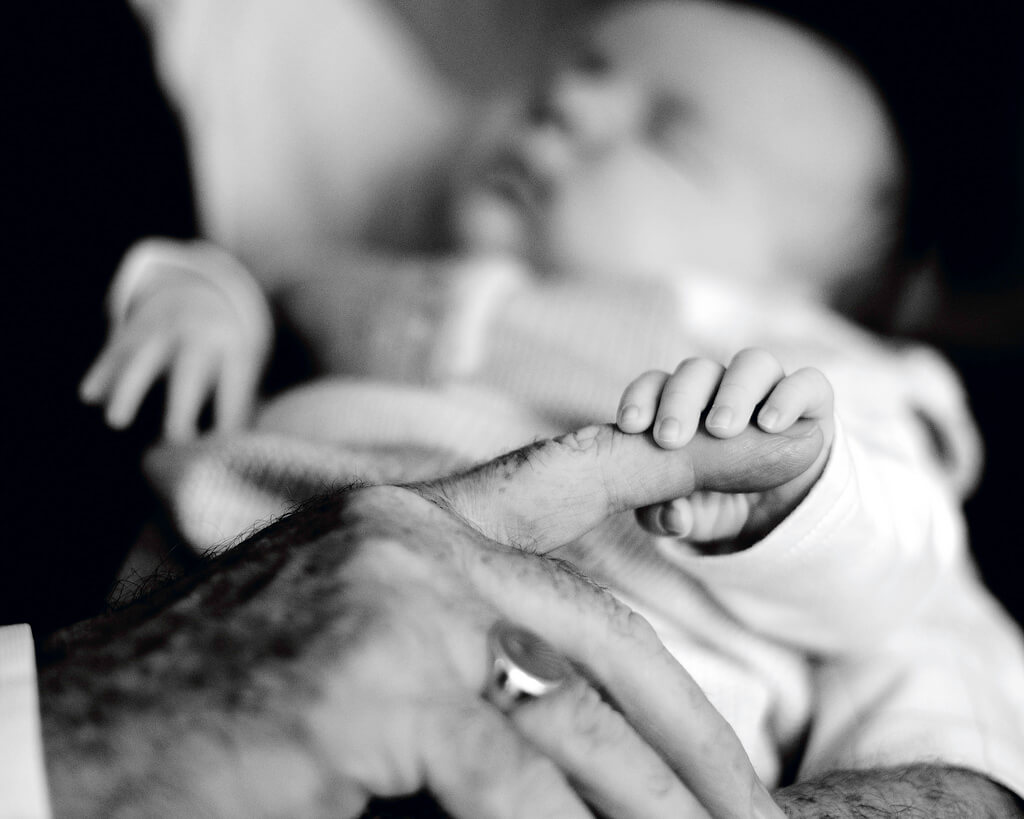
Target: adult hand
[342, 652]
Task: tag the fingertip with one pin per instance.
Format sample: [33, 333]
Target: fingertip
[639, 402]
[719, 422]
[770, 419]
[629, 419]
[677, 518]
[668, 434]
[88, 392]
[117, 418]
[94, 383]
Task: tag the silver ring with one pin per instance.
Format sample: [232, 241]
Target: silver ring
[523, 666]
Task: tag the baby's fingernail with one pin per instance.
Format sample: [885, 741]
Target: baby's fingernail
[769, 419]
[669, 430]
[719, 418]
[629, 415]
[675, 521]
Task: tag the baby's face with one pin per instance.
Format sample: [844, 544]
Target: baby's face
[652, 145]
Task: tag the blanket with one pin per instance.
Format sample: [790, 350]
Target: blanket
[325, 435]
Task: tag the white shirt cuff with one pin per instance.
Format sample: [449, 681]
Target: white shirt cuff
[23, 793]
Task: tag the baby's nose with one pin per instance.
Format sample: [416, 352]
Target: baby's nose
[592, 110]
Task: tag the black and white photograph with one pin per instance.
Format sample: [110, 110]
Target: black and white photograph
[513, 408]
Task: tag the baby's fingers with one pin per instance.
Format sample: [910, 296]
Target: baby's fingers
[704, 517]
[748, 379]
[190, 384]
[639, 401]
[236, 392]
[99, 378]
[141, 368]
[806, 393]
[683, 398]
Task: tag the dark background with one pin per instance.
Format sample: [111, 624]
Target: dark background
[95, 161]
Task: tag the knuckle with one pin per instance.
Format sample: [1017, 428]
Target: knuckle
[487, 759]
[594, 438]
[735, 389]
[697, 366]
[661, 782]
[683, 392]
[632, 628]
[785, 391]
[651, 375]
[815, 376]
[756, 356]
[642, 634]
[142, 254]
[594, 722]
[617, 616]
[479, 751]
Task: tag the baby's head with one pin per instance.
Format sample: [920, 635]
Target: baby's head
[697, 133]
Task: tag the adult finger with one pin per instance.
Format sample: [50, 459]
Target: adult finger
[479, 767]
[685, 395]
[188, 387]
[141, 369]
[639, 401]
[606, 761]
[619, 651]
[550, 493]
[747, 380]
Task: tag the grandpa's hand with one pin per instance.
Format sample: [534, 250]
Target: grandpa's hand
[341, 654]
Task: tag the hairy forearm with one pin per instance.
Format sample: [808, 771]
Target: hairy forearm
[915, 792]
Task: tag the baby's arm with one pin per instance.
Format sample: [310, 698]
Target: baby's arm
[190, 312]
[753, 389]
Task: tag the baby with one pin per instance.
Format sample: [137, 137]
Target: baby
[700, 133]
[696, 138]
[696, 179]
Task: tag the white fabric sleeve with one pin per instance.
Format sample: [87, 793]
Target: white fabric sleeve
[946, 687]
[23, 792]
[868, 544]
[479, 286]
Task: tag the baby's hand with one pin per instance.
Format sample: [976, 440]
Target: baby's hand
[182, 326]
[753, 388]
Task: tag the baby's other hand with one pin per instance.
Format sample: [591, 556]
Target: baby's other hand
[183, 327]
[754, 388]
